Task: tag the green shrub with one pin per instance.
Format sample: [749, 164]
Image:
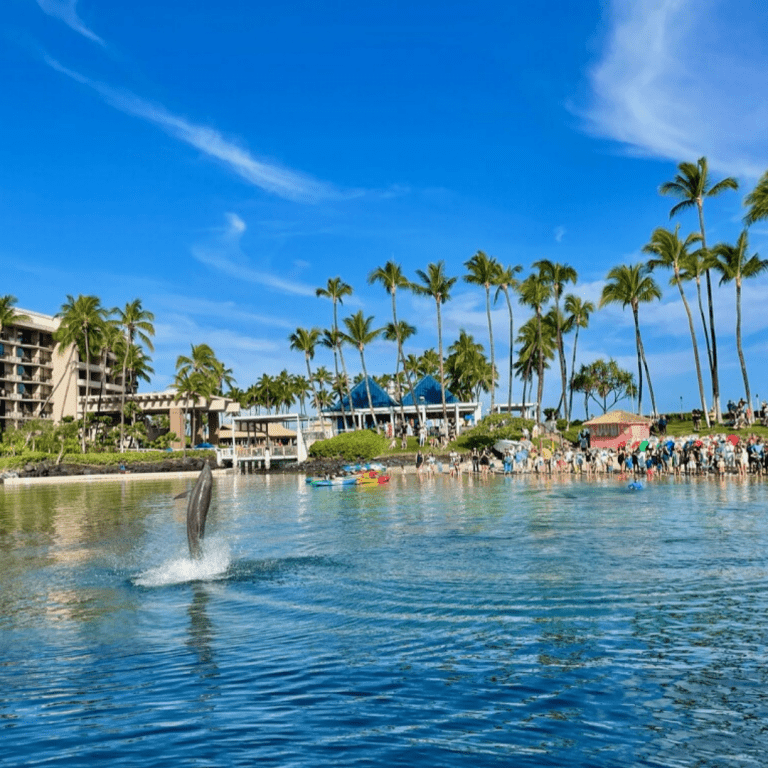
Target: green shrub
[98, 459]
[364, 444]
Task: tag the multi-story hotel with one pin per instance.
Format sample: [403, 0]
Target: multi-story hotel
[39, 379]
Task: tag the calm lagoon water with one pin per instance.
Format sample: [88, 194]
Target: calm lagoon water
[442, 623]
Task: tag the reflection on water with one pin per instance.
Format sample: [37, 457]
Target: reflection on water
[518, 621]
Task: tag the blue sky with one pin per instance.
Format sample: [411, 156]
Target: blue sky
[222, 160]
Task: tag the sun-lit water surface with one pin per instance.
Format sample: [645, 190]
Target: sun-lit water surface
[442, 623]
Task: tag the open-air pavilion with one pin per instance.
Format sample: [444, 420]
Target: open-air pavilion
[427, 408]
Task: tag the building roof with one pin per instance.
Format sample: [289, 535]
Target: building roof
[429, 389]
[618, 417]
[275, 430]
[359, 395]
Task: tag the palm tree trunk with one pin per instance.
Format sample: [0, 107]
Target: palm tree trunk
[399, 358]
[442, 366]
[573, 369]
[695, 351]
[368, 389]
[704, 323]
[312, 384]
[639, 345]
[641, 352]
[540, 372]
[87, 389]
[739, 348]
[715, 376]
[511, 349]
[341, 357]
[490, 339]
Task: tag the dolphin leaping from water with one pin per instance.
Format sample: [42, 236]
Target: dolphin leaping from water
[197, 511]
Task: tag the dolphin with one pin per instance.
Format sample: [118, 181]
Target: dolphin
[197, 511]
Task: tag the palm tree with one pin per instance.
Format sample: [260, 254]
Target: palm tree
[734, 265]
[631, 284]
[504, 281]
[534, 337]
[485, 270]
[535, 293]
[556, 276]
[467, 365]
[691, 185]
[135, 321]
[757, 199]
[336, 289]
[200, 375]
[578, 312]
[435, 283]
[670, 252]
[303, 340]
[359, 334]
[391, 277]
[81, 320]
[8, 315]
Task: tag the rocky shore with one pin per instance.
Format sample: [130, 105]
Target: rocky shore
[53, 470]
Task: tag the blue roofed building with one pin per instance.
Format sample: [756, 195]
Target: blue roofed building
[428, 407]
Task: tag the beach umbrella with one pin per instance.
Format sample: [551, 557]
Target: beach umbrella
[732, 439]
[546, 453]
[698, 443]
[670, 444]
[643, 445]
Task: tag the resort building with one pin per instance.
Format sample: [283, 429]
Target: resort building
[39, 380]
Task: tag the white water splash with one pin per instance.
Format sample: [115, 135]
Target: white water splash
[211, 566]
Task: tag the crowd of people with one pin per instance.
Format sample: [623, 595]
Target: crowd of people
[715, 455]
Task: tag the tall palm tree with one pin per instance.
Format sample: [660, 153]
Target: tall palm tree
[485, 270]
[691, 185]
[556, 276]
[360, 334]
[505, 281]
[631, 284]
[81, 321]
[336, 289]
[435, 283]
[135, 321]
[578, 312]
[391, 277]
[535, 292]
[303, 340]
[670, 252]
[734, 265]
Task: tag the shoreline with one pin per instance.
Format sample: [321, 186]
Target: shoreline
[108, 476]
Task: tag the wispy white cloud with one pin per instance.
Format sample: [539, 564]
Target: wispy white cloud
[66, 11]
[273, 178]
[559, 234]
[225, 255]
[678, 79]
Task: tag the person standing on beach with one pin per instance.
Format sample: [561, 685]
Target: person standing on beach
[419, 462]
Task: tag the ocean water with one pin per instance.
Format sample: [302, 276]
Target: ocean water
[518, 622]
